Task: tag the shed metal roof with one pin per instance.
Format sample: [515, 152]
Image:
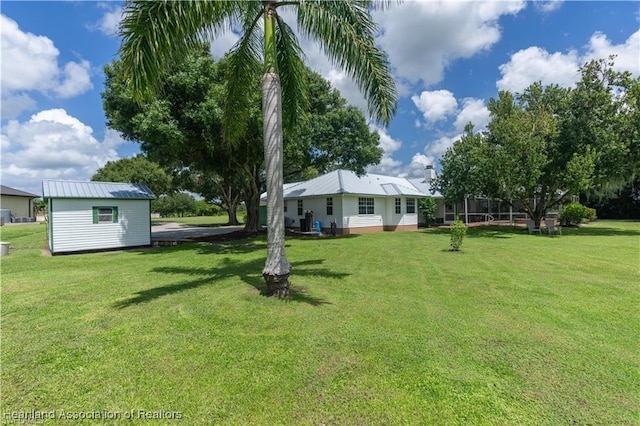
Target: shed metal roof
[7, 190]
[347, 182]
[114, 190]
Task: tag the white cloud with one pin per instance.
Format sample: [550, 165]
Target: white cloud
[387, 166]
[423, 38]
[627, 54]
[416, 168]
[536, 64]
[474, 111]
[436, 105]
[548, 5]
[437, 149]
[52, 145]
[76, 80]
[30, 63]
[109, 23]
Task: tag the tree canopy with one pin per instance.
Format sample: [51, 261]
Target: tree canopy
[181, 128]
[548, 143]
[137, 169]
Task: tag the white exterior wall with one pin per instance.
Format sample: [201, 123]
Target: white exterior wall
[71, 226]
[403, 218]
[319, 207]
[345, 212]
[351, 218]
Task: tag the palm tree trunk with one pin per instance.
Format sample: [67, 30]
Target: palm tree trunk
[276, 269]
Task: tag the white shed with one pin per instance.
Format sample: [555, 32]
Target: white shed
[90, 216]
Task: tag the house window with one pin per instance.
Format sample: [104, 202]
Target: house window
[300, 209]
[365, 205]
[411, 205]
[285, 206]
[105, 215]
[398, 206]
[329, 206]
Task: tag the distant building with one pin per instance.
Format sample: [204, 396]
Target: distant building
[91, 216]
[16, 204]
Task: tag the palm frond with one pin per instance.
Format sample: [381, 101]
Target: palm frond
[156, 33]
[292, 72]
[245, 66]
[345, 31]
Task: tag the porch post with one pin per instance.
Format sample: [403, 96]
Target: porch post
[511, 213]
[466, 211]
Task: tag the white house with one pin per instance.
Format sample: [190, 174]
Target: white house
[356, 204]
[89, 216]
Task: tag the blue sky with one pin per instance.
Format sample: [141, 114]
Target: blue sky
[448, 58]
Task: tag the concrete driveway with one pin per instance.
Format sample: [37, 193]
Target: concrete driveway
[180, 232]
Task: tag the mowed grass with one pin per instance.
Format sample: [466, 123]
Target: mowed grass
[387, 328]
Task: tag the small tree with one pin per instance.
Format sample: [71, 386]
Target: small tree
[427, 207]
[458, 231]
[39, 206]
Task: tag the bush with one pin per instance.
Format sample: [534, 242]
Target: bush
[428, 207]
[574, 213]
[591, 214]
[458, 231]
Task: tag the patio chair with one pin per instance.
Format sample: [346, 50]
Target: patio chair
[551, 226]
[531, 227]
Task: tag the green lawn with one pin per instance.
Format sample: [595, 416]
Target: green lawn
[387, 328]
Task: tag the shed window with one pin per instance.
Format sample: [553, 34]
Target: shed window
[398, 205]
[365, 205]
[411, 205]
[329, 206]
[300, 208]
[105, 215]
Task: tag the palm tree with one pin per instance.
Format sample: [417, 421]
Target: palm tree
[156, 34]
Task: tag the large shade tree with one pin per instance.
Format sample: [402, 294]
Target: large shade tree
[156, 34]
[548, 143]
[181, 128]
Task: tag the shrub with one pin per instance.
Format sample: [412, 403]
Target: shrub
[573, 213]
[427, 207]
[591, 214]
[458, 231]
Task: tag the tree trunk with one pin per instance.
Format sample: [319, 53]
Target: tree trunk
[276, 269]
[232, 211]
[252, 202]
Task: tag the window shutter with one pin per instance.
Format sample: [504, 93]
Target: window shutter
[95, 215]
[115, 215]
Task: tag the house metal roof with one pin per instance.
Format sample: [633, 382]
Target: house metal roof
[425, 186]
[6, 190]
[347, 182]
[115, 190]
